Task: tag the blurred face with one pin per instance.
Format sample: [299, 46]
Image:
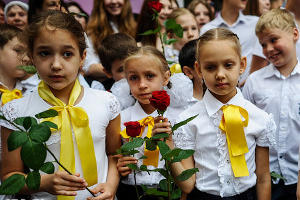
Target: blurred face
[117, 70]
[145, 76]
[57, 59]
[2, 20]
[190, 30]
[239, 4]
[51, 5]
[165, 11]
[78, 17]
[17, 16]
[114, 7]
[278, 46]
[276, 4]
[13, 54]
[202, 15]
[220, 67]
[264, 6]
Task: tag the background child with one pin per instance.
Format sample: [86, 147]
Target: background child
[202, 11]
[220, 175]
[57, 47]
[233, 19]
[275, 89]
[146, 71]
[12, 54]
[188, 22]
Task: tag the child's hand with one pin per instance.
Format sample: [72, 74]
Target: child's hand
[123, 161]
[62, 183]
[162, 125]
[106, 190]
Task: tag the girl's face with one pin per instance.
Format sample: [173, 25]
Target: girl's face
[114, 7]
[57, 59]
[238, 4]
[13, 54]
[220, 67]
[51, 5]
[79, 18]
[264, 6]
[17, 16]
[165, 11]
[190, 30]
[145, 76]
[202, 15]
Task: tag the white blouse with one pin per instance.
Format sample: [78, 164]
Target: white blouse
[211, 156]
[100, 106]
[135, 113]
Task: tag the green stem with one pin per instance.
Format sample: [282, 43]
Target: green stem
[65, 168]
[160, 35]
[136, 189]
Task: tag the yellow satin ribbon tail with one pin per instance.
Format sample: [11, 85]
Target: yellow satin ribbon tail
[9, 95]
[73, 117]
[233, 126]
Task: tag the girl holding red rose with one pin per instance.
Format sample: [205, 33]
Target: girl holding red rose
[146, 71]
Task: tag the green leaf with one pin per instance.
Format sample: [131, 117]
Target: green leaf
[183, 154]
[176, 126]
[47, 114]
[159, 136]
[48, 168]
[171, 24]
[170, 62]
[16, 139]
[49, 124]
[163, 147]
[2, 117]
[30, 69]
[131, 152]
[144, 187]
[40, 133]
[186, 174]
[133, 166]
[33, 154]
[163, 185]
[155, 192]
[276, 176]
[12, 184]
[135, 143]
[28, 122]
[151, 144]
[33, 180]
[19, 121]
[170, 154]
[142, 157]
[176, 194]
[162, 171]
[151, 32]
[170, 41]
[143, 168]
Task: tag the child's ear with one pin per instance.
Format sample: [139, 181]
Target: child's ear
[243, 64]
[167, 75]
[82, 59]
[107, 73]
[198, 69]
[296, 35]
[188, 72]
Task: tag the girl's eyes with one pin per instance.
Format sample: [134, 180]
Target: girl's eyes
[121, 69]
[228, 65]
[209, 67]
[273, 40]
[150, 76]
[67, 54]
[43, 53]
[133, 77]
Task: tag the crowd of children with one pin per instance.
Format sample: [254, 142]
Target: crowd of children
[239, 75]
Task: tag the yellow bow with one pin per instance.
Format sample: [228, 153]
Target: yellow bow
[233, 126]
[152, 156]
[8, 95]
[175, 68]
[77, 117]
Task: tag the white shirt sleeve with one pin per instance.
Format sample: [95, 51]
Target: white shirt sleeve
[91, 56]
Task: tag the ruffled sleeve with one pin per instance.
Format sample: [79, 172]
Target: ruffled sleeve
[10, 111]
[267, 138]
[113, 106]
[184, 137]
[121, 90]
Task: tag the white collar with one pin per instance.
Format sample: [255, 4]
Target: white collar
[220, 21]
[271, 70]
[213, 105]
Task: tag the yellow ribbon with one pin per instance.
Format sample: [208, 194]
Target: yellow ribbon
[8, 95]
[175, 68]
[152, 156]
[233, 126]
[73, 117]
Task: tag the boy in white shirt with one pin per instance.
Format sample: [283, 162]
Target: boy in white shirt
[275, 89]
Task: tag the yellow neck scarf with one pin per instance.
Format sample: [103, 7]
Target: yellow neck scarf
[152, 156]
[69, 115]
[8, 95]
[233, 126]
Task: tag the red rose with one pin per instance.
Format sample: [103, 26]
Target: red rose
[160, 100]
[155, 4]
[133, 129]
